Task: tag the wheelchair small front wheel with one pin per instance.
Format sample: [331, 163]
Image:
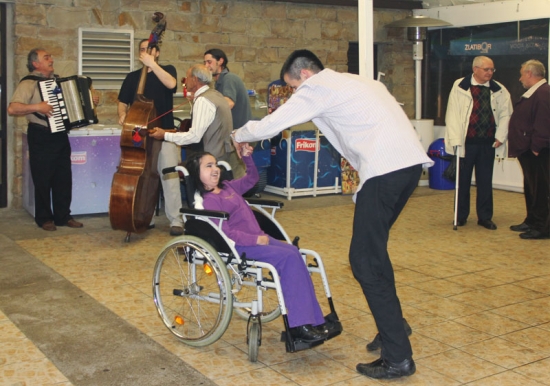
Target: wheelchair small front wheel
[192, 291]
[245, 291]
[254, 336]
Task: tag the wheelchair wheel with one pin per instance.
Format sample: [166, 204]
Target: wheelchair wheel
[246, 292]
[254, 336]
[192, 291]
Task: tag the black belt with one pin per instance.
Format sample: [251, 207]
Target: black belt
[33, 125]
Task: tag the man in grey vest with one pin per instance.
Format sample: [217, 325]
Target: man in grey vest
[211, 121]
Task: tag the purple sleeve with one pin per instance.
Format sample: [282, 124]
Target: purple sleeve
[247, 182]
[239, 237]
[242, 226]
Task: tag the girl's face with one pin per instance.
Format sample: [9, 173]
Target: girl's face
[209, 172]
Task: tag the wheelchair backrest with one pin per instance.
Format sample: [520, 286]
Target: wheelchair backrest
[190, 188]
[205, 231]
[268, 226]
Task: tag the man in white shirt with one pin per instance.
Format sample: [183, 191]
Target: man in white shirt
[211, 121]
[368, 127]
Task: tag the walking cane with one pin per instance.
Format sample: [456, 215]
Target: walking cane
[455, 222]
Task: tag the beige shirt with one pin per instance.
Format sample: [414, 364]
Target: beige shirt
[27, 92]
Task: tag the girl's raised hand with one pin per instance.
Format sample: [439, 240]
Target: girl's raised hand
[246, 149]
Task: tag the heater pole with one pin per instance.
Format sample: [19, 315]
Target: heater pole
[418, 56]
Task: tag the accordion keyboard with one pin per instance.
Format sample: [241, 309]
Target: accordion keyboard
[51, 93]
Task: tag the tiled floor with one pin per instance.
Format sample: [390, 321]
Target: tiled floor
[478, 300]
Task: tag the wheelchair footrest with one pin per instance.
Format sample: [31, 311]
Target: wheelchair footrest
[298, 344]
[333, 325]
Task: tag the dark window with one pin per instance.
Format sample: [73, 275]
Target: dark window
[353, 58]
[451, 52]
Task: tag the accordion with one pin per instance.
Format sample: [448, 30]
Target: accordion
[71, 99]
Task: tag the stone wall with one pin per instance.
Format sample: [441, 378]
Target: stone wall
[256, 36]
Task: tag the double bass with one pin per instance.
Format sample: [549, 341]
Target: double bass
[135, 187]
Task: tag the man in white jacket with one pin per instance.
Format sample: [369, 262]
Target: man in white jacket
[478, 113]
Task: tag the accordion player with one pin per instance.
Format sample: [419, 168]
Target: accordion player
[71, 99]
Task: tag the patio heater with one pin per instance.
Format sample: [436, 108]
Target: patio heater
[416, 32]
[417, 27]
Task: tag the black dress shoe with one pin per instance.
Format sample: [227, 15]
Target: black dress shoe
[377, 341]
[534, 235]
[383, 369]
[461, 223]
[308, 333]
[523, 227]
[487, 224]
[331, 328]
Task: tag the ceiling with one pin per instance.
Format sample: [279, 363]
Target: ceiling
[449, 3]
[393, 4]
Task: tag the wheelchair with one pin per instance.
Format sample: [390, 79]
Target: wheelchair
[199, 279]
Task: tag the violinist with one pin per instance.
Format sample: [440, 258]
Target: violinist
[160, 87]
[211, 125]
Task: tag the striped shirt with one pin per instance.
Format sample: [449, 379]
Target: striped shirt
[359, 117]
[204, 112]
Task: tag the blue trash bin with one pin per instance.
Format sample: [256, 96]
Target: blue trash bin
[435, 174]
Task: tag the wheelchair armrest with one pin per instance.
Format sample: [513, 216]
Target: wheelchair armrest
[267, 203]
[205, 213]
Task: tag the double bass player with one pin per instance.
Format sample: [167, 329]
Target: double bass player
[160, 87]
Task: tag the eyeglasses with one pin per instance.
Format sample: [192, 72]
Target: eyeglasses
[493, 70]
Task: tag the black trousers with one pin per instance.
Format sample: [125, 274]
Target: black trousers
[482, 157]
[50, 163]
[378, 204]
[536, 188]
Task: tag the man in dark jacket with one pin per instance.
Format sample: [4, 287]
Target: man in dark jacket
[529, 136]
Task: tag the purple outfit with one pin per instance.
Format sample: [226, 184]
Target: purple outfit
[243, 229]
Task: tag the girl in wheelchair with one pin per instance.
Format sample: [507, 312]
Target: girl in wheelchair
[305, 317]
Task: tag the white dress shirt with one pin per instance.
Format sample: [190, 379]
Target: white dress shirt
[358, 116]
[204, 112]
[474, 82]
